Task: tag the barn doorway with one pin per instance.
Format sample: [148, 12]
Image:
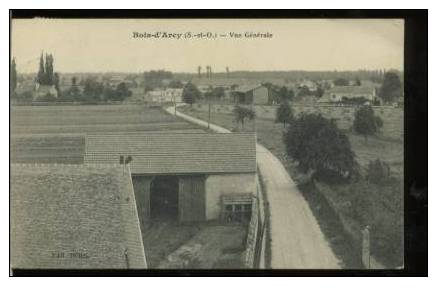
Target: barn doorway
[164, 196]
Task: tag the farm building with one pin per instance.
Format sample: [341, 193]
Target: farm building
[258, 95]
[164, 95]
[185, 177]
[340, 93]
[74, 216]
[44, 90]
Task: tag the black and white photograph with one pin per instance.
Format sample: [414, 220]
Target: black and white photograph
[208, 144]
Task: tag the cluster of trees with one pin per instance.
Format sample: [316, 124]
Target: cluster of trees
[215, 93]
[322, 148]
[284, 113]
[285, 94]
[242, 113]
[366, 122]
[153, 79]
[391, 87]
[191, 94]
[46, 74]
[95, 92]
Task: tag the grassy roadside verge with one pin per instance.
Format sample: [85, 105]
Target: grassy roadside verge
[357, 204]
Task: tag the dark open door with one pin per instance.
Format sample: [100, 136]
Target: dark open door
[191, 198]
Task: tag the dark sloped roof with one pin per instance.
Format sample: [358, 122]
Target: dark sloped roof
[247, 88]
[352, 89]
[74, 216]
[177, 153]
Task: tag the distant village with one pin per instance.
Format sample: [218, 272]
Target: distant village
[160, 86]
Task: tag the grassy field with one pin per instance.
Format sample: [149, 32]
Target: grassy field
[393, 128]
[357, 203]
[55, 134]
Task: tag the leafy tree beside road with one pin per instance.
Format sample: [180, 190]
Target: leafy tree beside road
[284, 113]
[191, 94]
[320, 147]
[242, 113]
[391, 87]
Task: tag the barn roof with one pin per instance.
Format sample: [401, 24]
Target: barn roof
[74, 216]
[176, 153]
[247, 88]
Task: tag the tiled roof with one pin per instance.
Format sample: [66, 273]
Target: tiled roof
[176, 153]
[74, 216]
[352, 90]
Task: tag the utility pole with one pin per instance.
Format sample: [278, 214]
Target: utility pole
[209, 111]
[174, 101]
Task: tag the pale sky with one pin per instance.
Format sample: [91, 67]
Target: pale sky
[101, 45]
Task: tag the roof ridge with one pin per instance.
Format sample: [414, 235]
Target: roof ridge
[70, 165]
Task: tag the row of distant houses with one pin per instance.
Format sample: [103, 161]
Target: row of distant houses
[264, 95]
[338, 94]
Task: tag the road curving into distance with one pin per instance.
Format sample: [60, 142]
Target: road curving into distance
[297, 242]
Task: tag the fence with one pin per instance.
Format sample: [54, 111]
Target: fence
[255, 243]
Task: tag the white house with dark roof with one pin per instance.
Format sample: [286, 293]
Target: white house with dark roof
[336, 94]
[181, 176]
[42, 91]
[74, 217]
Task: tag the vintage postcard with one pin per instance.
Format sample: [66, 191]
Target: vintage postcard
[219, 144]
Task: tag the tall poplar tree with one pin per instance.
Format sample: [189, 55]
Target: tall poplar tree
[41, 73]
[13, 75]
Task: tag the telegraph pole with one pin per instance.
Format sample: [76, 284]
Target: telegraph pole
[209, 111]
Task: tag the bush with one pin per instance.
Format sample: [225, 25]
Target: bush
[24, 96]
[365, 121]
[378, 171]
[241, 113]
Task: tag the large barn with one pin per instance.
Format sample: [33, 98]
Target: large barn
[182, 176]
[257, 95]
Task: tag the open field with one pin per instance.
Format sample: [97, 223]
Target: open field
[358, 203]
[55, 134]
[393, 128]
[91, 119]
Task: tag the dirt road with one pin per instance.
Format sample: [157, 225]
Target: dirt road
[297, 241]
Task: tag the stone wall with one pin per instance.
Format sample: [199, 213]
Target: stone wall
[218, 185]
